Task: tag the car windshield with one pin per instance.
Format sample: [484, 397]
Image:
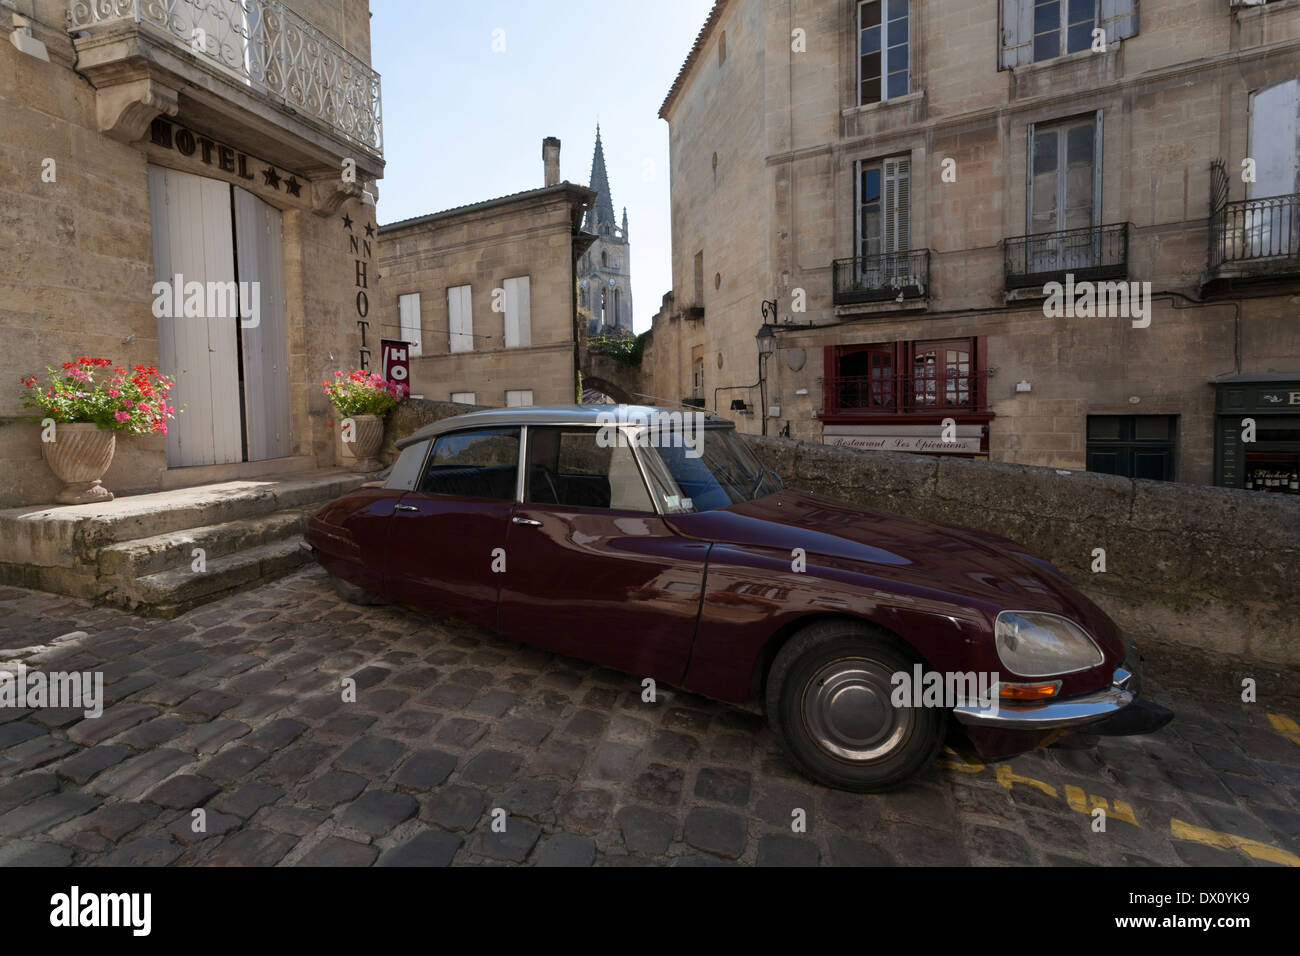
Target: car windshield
[714, 470]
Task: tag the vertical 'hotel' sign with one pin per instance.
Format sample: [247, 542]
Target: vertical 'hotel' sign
[362, 255]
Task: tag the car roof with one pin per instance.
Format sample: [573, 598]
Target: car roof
[553, 415]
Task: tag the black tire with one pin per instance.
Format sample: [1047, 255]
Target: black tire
[352, 593]
[850, 738]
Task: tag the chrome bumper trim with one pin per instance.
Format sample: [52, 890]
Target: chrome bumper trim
[1070, 712]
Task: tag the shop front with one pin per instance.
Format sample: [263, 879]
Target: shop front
[1257, 432]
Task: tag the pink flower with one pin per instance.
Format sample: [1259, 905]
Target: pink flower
[122, 416]
[113, 393]
[128, 405]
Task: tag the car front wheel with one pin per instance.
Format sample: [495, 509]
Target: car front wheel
[828, 700]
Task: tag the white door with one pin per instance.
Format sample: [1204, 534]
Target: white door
[259, 239]
[192, 238]
[1272, 227]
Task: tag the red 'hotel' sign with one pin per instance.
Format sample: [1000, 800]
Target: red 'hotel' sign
[397, 362]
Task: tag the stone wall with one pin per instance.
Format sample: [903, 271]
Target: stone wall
[1213, 569]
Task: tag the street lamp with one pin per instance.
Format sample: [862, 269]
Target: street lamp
[766, 340]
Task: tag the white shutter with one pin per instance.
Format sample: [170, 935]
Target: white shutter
[412, 329]
[519, 398]
[460, 319]
[259, 236]
[1119, 18]
[518, 314]
[1017, 33]
[898, 205]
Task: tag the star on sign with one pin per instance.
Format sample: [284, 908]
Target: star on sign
[347, 222]
[370, 230]
[293, 185]
[272, 177]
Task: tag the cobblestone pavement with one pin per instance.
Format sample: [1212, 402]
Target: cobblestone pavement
[236, 708]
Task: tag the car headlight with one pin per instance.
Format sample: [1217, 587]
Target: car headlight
[1037, 644]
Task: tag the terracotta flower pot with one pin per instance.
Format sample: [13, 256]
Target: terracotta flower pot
[368, 435]
[79, 456]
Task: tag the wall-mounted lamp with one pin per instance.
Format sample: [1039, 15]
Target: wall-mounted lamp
[1024, 387]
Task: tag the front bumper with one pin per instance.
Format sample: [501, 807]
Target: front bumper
[1115, 711]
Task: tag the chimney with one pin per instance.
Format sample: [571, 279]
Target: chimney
[551, 160]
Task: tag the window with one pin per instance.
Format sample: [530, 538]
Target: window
[1038, 30]
[460, 319]
[884, 207]
[408, 306]
[882, 50]
[519, 398]
[1135, 446]
[722, 48]
[569, 467]
[1065, 180]
[474, 464]
[406, 472]
[463, 398]
[699, 278]
[894, 378]
[518, 314]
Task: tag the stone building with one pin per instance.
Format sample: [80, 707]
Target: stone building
[605, 269]
[188, 186]
[217, 142]
[1068, 232]
[484, 294]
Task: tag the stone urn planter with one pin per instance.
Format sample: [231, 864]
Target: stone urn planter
[79, 456]
[368, 435]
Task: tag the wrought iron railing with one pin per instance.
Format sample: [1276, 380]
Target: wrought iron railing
[888, 394]
[1264, 232]
[892, 275]
[1094, 252]
[268, 47]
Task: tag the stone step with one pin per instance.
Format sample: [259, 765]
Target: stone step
[70, 536]
[175, 549]
[177, 590]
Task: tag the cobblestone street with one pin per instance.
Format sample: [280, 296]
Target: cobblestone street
[237, 708]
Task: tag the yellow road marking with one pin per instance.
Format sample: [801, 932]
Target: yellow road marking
[1075, 797]
[955, 761]
[1226, 841]
[1007, 777]
[1285, 726]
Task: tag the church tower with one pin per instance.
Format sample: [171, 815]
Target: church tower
[605, 270]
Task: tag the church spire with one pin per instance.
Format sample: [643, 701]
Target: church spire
[600, 218]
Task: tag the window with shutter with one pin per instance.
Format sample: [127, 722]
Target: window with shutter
[460, 319]
[1037, 30]
[408, 306]
[518, 313]
[898, 205]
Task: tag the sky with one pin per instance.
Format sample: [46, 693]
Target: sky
[464, 122]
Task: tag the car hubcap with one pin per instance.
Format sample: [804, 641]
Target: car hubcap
[847, 711]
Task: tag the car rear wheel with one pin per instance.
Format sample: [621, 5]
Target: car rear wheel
[828, 700]
[352, 593]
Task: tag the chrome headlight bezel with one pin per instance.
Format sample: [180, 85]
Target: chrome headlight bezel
[1083, 653]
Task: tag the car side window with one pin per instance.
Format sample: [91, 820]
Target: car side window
[482, 463]
[571, 466]
[406, 472]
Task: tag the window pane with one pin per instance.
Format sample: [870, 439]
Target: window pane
[897, 11]
[407, 470]
[1046, 46]
[1104, 426]
[871, 81]
[1154, 427]
[1081, 10]
[898, 27]
[1047, 17]
[1079, 37]
[897, 60]
[898, 83]
[574, 468]
[870, 13]
[478, 464]
[870, 40]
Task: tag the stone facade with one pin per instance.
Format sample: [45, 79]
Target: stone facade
[770, 143]
[534, 235]
[77, 269]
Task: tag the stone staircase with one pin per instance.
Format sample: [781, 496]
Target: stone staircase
[139, 552]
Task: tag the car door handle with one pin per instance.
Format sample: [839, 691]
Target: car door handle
[405, 508]
[527, 521]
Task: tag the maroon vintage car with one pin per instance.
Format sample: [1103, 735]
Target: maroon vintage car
[623, 536]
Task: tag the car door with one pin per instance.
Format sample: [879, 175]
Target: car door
[448, 530]
[593, 570]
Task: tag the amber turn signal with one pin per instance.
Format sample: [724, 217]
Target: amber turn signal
[1028, 693]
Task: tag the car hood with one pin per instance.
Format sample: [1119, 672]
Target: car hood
[963, 562]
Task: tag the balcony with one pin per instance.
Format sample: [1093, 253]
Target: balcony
[1256, 237]
[890, 277]
[1089, 254]
[919, 395]
[140, 54]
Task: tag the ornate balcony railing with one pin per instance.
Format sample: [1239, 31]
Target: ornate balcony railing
[887, 394]
[1092, 253]
[1263, 233]
[267, 47]
[892, 275]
